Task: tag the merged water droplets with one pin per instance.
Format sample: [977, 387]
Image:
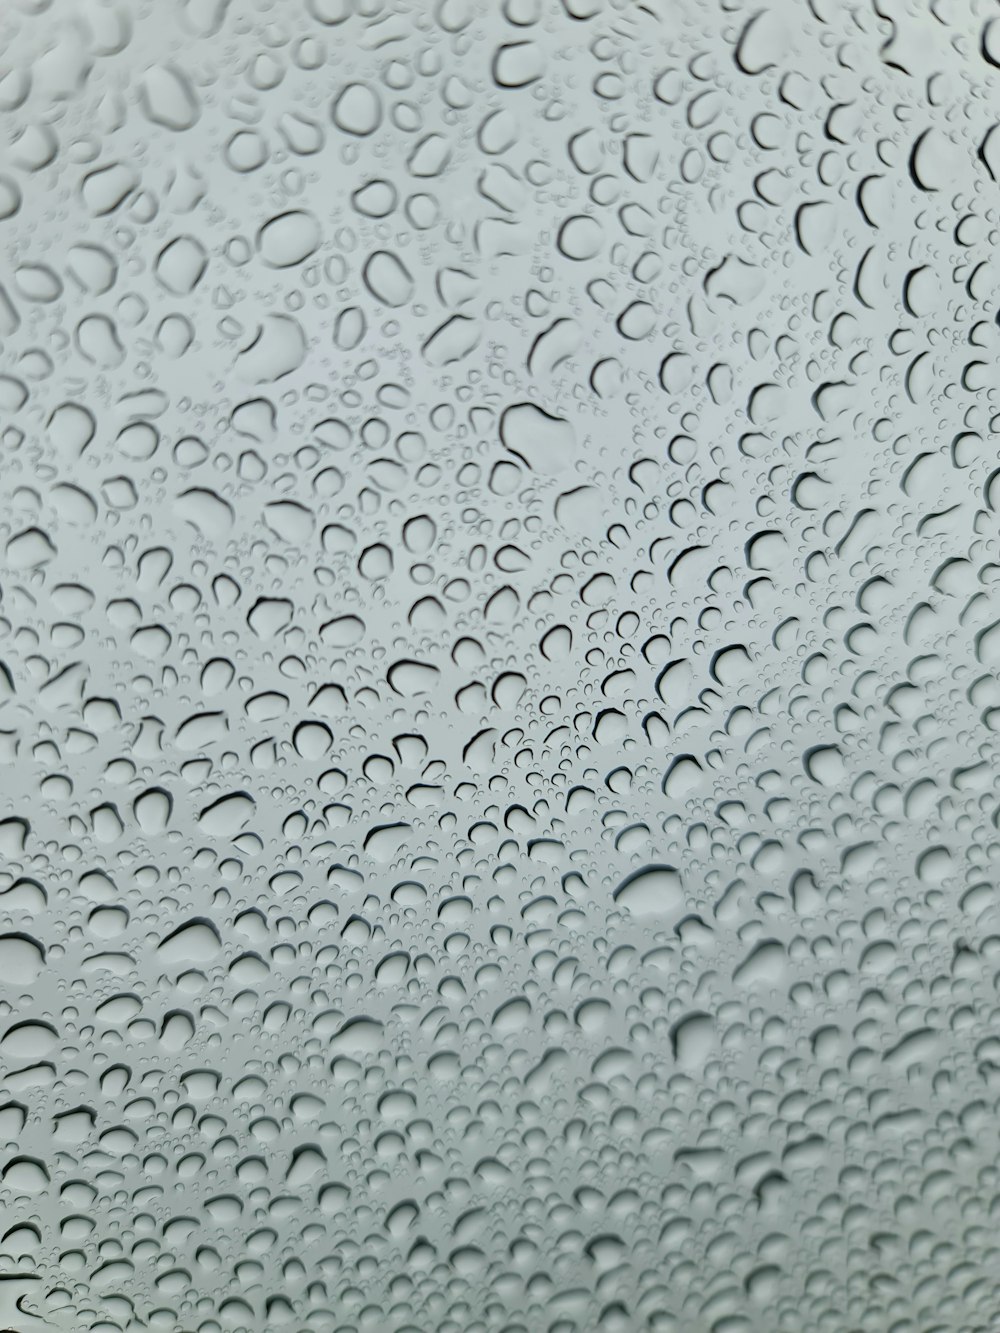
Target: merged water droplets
[498, 645]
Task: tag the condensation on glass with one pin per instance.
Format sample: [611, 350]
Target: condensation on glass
[498, 666]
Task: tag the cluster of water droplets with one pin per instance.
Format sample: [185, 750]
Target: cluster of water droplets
[498, 666]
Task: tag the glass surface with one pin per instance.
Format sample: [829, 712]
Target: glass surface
[499, 636]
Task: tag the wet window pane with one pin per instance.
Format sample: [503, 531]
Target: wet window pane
[498, 666]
